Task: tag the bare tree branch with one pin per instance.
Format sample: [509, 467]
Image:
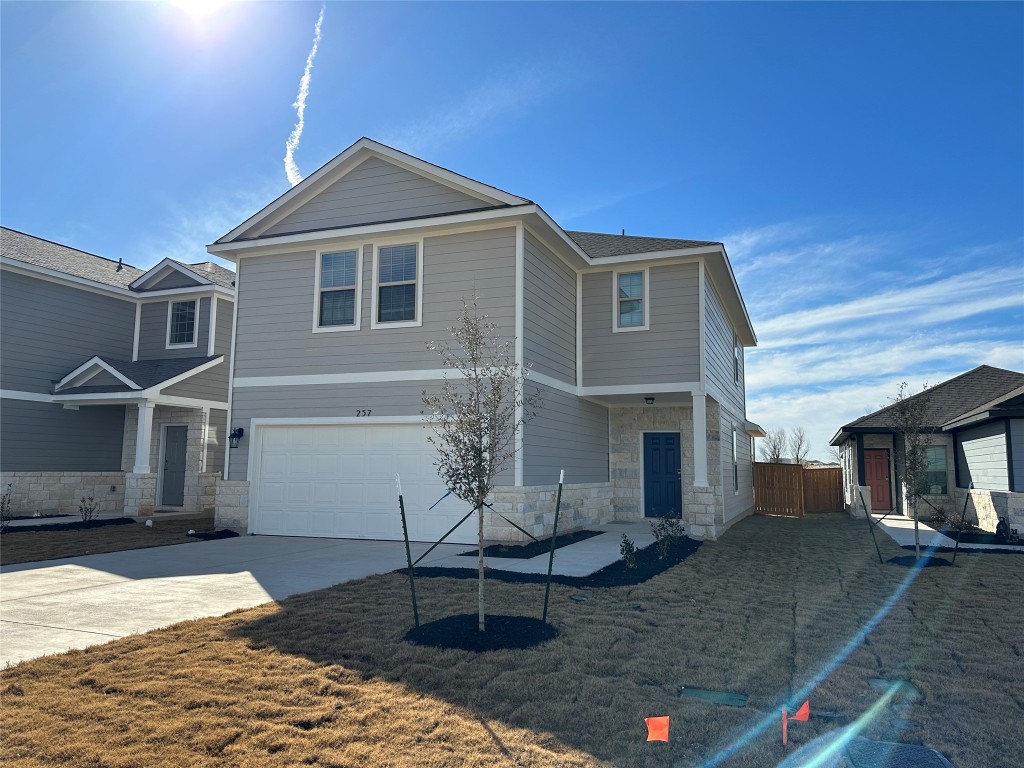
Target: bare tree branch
[773, 446]
[906, 417]
[798, 446]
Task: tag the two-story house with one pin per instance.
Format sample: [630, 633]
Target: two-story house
[114, 380]
[635, 345]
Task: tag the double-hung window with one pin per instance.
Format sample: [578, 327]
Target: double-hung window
[736, 353]
[339, 280]
[935, 481]
[397, 286]
[735, 464]
[181, 324]
[631, 301]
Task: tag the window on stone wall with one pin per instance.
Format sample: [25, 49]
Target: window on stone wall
[935, 476]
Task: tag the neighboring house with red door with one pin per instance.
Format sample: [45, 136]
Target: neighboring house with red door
[113, 379]
[635, 345]
[974, 433]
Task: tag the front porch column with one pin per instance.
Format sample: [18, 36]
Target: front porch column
[144, 437]
[700, 442]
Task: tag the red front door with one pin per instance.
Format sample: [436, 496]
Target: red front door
[876, 475]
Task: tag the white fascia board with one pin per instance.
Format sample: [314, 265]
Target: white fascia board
[35, 397]
[204, 290]
[693, 387]
[732, 299]
[232, 251]
[676, 256]
[158, 388]
[557, 229]
[153, 393]
[97, 362]
[168, 264]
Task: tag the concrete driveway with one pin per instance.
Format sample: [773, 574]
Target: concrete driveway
[58, 605]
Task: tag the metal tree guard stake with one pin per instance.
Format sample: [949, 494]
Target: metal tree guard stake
[408, 553]
[554, 535]
[870, 526]
[963, 516]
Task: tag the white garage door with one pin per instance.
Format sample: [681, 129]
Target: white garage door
[339, 481]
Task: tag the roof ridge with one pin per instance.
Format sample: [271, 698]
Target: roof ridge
[122, 262]
[640, 237]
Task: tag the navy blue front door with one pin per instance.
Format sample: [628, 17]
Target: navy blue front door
[662, 480]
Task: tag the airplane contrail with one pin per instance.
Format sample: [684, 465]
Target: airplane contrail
[290, 168]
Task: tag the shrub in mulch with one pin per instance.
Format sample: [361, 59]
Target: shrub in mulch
[909, 561]
[648, 565]
[213, 535]
[500, 632]
[80, 525]
[982, 537]
[534, 548]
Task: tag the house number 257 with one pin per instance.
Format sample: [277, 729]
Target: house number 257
[362, 412]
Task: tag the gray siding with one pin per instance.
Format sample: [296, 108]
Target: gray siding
[222, 339]
[211, 384]
[549, 312]
[982, 457]
[216, 440]
[153, 332]
[50, 329]
[45, 437]
[718, 348]
[326, 401]
[567, 433]
[375, 191]
[276, 302]
[667, 353]
[1017, 448]
[173, 280]
[736, 504]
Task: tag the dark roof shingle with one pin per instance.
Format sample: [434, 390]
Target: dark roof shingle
[598, 245]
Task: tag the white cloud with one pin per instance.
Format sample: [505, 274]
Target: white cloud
[290, 168]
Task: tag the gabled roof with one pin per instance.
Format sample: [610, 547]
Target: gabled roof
[946, 402]
[598, 245]
[163, 269]
[136, 376]
[1007, 406]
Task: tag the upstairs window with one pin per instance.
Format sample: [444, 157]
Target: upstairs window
[181, 324]
[737, 353]
[339, 282]
[735, 464]
[397, 284]
[935, 482]
[631, 301]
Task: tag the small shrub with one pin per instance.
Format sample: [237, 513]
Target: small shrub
[628, 551]
[87, 509]
[667, 531]
[6, 513]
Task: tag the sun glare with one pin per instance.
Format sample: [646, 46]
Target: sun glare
[199, 9]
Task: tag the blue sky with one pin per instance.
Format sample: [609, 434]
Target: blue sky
[863, 163]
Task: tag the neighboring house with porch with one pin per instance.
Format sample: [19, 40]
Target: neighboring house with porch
[635, 345]
[974, 433]
[114, 380]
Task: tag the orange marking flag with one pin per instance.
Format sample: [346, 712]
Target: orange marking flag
[657, 728]
[803, 713]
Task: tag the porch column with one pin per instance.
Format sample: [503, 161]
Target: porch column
[144, 437]
[700, 442]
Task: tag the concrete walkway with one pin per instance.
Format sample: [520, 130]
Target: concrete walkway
[901, 530]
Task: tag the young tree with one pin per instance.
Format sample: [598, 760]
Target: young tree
[773, 446]
[798, 446]
[835, 455]
[906, 417]
[476, 415]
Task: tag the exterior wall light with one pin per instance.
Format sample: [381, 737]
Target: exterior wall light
[649, 400]
[235, 436]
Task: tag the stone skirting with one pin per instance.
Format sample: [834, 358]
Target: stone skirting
[231, 501]
[49, 493]
[139, 492]
[854, 507]
[984, 508]
[533, 508]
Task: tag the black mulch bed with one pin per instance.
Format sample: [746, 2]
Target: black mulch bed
[213, 535]
[37, 517]
[534, 548]
[500, 632]
[981, 537]
[615, 575]
[909, 561]
[81, 525]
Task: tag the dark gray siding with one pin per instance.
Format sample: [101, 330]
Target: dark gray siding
[326, 401]
[275, 310]
[718, 348]
[211, 384]
[153, 332]
[45, 437]
[222, 340]
[567, 433]
[216, 440]
[667, 353]
[50, 329]
[736, 503]
[1017, 447]
[173, 280]
[982, 457]
[549, 312]
[375, 191]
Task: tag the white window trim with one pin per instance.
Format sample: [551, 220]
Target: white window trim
[735, 462]
[195, 325]
[358, 310]
[736, 355]
[418, 320]
[616, 328]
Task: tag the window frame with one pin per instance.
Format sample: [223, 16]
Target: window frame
[195, 325]
[945, 467]
[645, 299]
[317, 290]
[735, 462]
[736, 354]
[417, 321]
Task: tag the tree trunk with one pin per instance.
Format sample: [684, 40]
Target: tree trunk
[480, 569]
[917, 534]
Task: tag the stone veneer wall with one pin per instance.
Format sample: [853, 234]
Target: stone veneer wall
[854, 508]
[533, 509]
[986, 507]
[232, 504]
[139, 492]
[51, 493]
[195, 420]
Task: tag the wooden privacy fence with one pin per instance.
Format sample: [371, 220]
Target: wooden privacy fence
[791, 490]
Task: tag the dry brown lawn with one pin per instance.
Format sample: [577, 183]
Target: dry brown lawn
[30, 546]
[326, 679]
